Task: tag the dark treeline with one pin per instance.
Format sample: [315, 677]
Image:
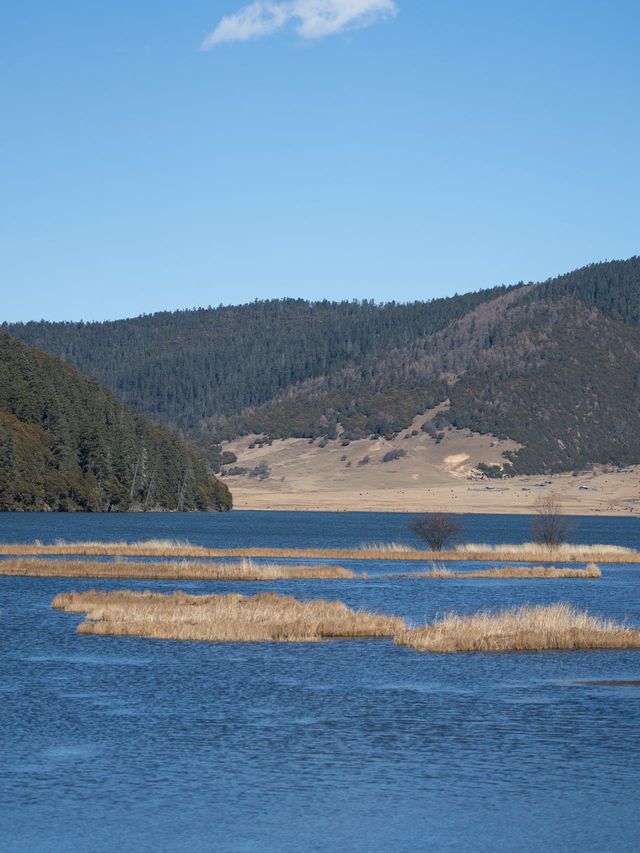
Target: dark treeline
[187, 367]
[551, 366]
[611, 288]
[66, 444]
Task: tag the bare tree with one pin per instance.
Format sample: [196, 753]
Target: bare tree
[437, 529]
[550, 526]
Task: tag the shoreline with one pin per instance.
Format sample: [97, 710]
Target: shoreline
[510, 500]
[583, 512]
[273, 506]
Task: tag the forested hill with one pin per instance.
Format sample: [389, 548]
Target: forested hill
[553, 366]
[186, 367]
[66, 444]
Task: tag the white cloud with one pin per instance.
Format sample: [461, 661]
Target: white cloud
[312, 19]
[258, 19]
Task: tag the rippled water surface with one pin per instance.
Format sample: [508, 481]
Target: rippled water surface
[129, 744]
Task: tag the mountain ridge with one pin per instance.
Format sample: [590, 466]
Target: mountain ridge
[512, 361]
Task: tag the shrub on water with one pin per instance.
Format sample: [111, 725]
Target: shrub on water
[437, 529]
[550, 527]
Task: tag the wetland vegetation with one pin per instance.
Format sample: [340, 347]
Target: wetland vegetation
[234, 618]
[244, 570]
[529, 552]
[270, 617]
[525, 628]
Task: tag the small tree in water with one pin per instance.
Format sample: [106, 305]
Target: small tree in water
[550, 527]
[437, 529]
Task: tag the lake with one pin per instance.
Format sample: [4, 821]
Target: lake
[145, 745]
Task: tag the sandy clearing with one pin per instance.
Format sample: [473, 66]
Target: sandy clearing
[305, 476]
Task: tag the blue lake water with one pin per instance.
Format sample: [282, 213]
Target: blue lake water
[142, 745]
[295, 529]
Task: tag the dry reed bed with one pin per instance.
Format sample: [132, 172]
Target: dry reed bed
[246, 570]
[527, 553]
[530, 552]
[268, 617]
[515, 572]
[556, 626]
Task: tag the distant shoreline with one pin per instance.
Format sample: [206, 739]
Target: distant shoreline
[582, 511]
[457, 500]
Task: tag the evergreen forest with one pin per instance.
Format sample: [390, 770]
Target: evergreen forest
[66, 445]
[553, 365]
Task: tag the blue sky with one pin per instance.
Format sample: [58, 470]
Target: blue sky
[393, 150]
